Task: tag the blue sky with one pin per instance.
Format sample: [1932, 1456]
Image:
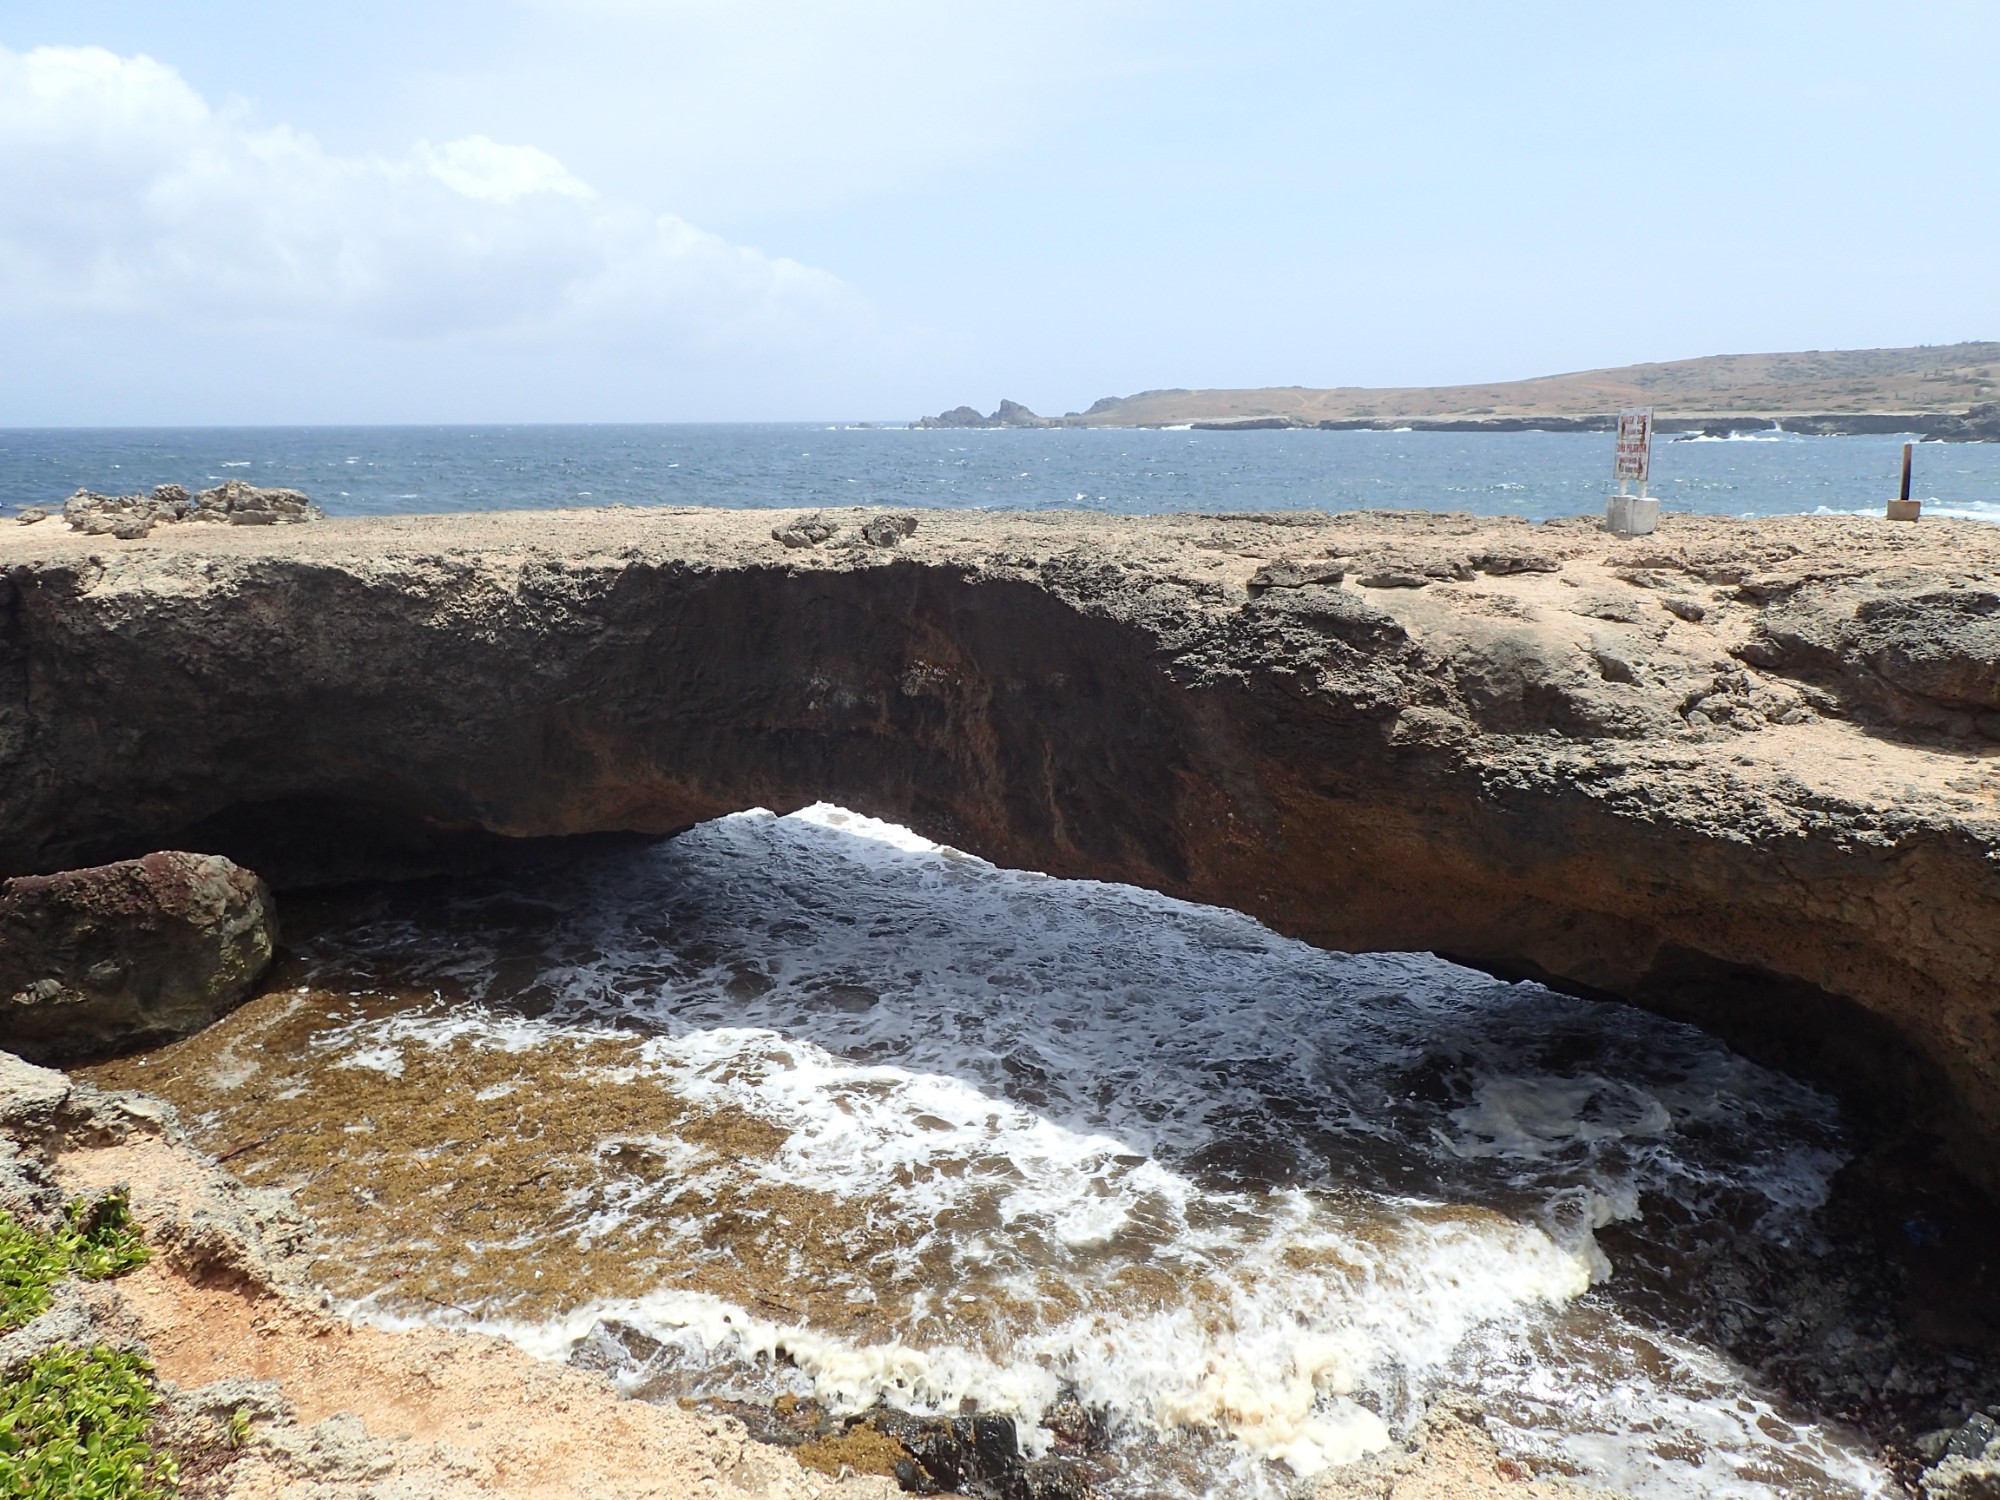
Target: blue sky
[740, 209]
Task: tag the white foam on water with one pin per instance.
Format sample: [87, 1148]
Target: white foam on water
[1964, 510]
[1355, 1182]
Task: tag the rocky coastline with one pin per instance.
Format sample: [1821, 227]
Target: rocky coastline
[1736, 772]
[1976, 424]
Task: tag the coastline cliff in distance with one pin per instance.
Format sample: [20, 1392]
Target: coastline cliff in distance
[1948, 391]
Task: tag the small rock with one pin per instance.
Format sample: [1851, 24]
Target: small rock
[1419, 727]
[125, 527]
[66, 1320]
[1393, 578]
[1973, 1438]
[30, 1097]
[31, 515]
[1500, 564]
[887, 531]
[243, 504]
[1288, 573]
[807, 533]
[1612, 666]
[1930, 1446]
[1685, 607]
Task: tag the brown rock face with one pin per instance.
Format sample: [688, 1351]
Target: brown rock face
[130, 954]
[1659, 769]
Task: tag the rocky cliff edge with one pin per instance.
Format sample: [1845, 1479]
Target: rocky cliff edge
[1738, 771]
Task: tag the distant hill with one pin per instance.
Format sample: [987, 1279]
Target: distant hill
[1936, 379]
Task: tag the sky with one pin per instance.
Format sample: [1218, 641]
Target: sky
[741, 210]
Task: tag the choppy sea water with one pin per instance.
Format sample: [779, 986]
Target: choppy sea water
[379, 470]
[808, 1106]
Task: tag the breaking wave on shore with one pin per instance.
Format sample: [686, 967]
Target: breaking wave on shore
[812, 1107]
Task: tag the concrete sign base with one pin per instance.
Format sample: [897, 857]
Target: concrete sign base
[1628, 515]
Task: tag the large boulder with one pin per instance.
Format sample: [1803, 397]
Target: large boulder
[126, 955]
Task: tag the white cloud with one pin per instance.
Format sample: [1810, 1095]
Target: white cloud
[479, 168]
[124, 193]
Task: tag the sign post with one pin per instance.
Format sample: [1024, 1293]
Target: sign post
[1906, 509]
[1626, 513]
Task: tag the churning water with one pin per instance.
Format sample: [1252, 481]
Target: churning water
[381, 470]
[810, 1106]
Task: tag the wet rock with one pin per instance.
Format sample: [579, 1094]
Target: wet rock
[979, 1455]
[1963, 1479]
[1930, 1446]
[1972, 1439]
[117, 956]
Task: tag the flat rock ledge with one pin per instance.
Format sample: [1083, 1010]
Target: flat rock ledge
[131, 954]
[1741, 772]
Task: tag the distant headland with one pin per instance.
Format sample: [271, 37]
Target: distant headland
[1949, 391]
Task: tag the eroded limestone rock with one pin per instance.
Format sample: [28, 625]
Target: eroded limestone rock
[98, 960]
[129, 517]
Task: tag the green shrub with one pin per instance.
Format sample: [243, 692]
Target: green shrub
[97, 1240]
[73, 1423]
[74, 1428]
[100, 1238]
[30, 1265]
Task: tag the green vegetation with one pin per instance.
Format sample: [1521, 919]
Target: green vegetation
[101, 1239]
[73, 1421]
[74, 1428]
[97, 1240]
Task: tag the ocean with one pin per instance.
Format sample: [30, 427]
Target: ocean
[383, 470]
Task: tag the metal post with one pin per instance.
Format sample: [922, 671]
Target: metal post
[1903, 508]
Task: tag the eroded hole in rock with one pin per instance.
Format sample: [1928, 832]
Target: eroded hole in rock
[808, 1116]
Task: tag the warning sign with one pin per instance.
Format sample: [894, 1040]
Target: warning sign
[1635, 446]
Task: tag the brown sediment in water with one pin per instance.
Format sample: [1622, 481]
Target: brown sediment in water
[462, 1176]
[862, 1449]
[336, 1410]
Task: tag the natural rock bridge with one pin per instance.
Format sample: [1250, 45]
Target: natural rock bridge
[1736, 771]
